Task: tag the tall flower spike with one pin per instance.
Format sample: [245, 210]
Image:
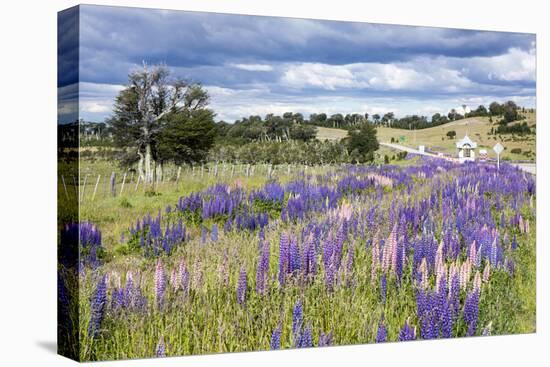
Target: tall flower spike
[160, 283]
[241, 287]
[97, 307]
[407, 332]
[297, 317]
[160, 350]
[472, 255]
[174, 279]
[276, 338]
[486, 272]
[306, 339]
[381, 333]
[325, 340]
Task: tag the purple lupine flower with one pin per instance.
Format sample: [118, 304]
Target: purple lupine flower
[97, 308]
[284, 254]
[383, 288]
[454, 291]
[160, 350]
[407, 333]
[399, 260]
[295, 260]
[241, 287]
[63, 300]
[306, 339]
[160, 283]
[510, 266]
[263, 268]
[381, 334]
[227, 226]
[214, 233]
[276, 338]
[203, 234]
[446, 321]
[297, 317]
[325, 340]
[471, 306]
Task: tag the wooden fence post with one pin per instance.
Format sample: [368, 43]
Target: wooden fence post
[122, 186]
[83, 188]
[95, 188]
[113, 184]
[178, 175]
[65, 187]
[76, 188]
[137, 182]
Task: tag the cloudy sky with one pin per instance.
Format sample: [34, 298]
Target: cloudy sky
[257, 65]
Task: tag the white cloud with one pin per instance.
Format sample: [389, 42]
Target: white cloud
[408, 76]
[95, 107]
[322, 76]
[253, 67]
[516, 65]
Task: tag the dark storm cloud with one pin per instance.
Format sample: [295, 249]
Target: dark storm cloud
[114, 38]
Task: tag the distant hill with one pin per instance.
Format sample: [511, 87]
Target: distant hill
[435, 138]
[327, 133]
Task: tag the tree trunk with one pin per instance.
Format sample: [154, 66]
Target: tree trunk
[159, 171]
[140, 167]
[148, 168]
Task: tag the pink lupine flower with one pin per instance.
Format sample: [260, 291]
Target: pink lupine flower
[477, 282]
[453, 270]
[423, 269]
[486, 272]
[345, 211]
[465, 271]
[375, 261]
[173, 279]
[115, 279]
[160, 283]
[197, 274]
[179, 272]
[439, 256]
[183, 276]
[472, 254]
[389, 253]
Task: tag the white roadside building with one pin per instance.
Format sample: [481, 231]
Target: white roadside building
[466, 149]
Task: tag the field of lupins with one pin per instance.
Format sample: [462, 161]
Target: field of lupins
[351, 255]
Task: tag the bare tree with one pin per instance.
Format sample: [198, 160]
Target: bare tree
[140, 108]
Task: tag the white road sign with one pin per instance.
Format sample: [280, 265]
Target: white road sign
[498, 148]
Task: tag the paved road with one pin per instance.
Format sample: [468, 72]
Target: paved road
[527, 167]
[407, 149]
[414, 151]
